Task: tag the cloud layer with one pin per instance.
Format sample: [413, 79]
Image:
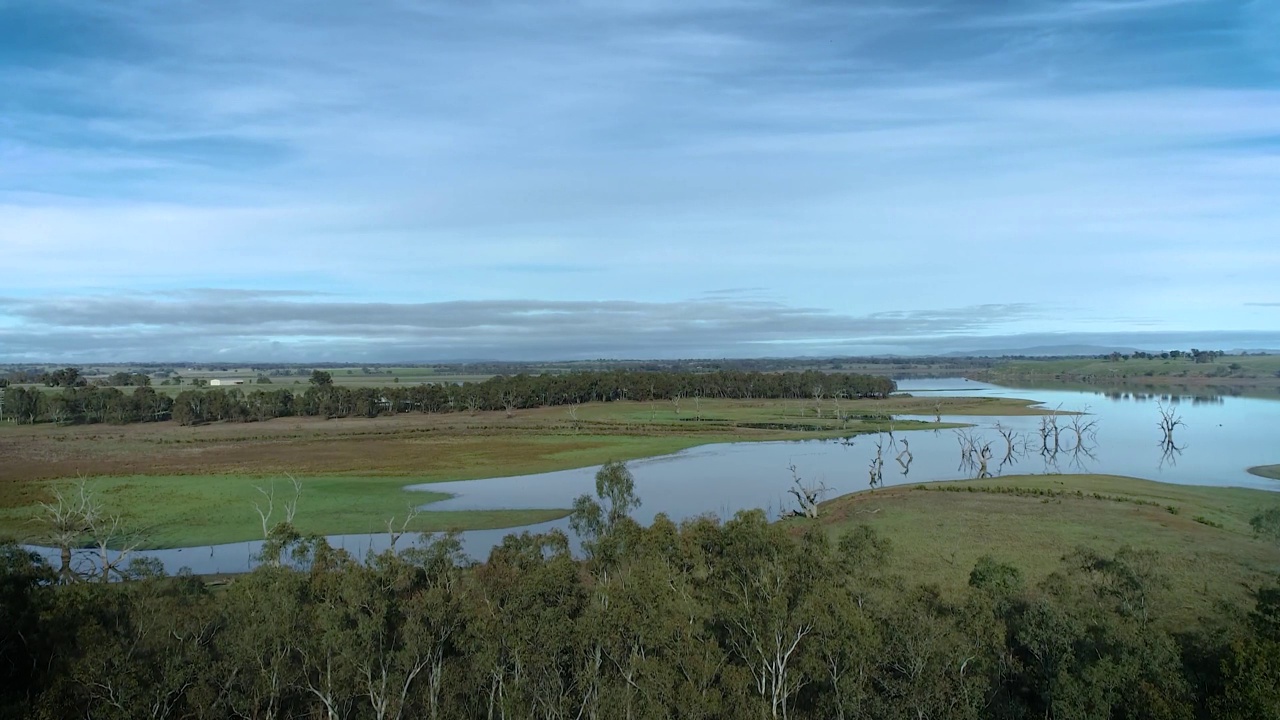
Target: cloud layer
[419, 169]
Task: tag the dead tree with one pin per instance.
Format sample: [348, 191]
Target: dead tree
[290, 506]
[66, 519]
[395, 533]
[876, 471]
[510, 402]
[984, 456]
[937, 412]
[818, 393]
[906, 452]
[807, 497]
[1014, 445]
[109, 532]
[973, 456]
[675, 401]
[1084, 430]
[1169, 421]
[75, 520]
[839, 411]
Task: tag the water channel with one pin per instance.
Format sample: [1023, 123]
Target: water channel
[1221, 438]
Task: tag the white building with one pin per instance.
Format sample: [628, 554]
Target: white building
[226, 381]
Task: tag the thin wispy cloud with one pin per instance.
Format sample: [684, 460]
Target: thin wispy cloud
[1113, 159]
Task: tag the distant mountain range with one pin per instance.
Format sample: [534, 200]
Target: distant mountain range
[1045, 351]
[1078, 350]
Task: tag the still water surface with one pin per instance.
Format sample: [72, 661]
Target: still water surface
[1222, 436]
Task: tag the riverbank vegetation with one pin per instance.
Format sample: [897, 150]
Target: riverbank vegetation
[746, 618]
[79, 403]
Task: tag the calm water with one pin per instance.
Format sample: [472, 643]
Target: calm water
[1220, 439]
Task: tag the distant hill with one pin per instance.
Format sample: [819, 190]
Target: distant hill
[1046, 351]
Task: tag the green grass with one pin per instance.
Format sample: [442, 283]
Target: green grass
[939, 530]
[1266, 471]
[185, 511]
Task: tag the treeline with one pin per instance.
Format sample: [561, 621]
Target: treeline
[702, 620]
[322, 398]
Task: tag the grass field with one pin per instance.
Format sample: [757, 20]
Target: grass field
[939, 530]
[1266, 471]
[1245, 375]
[195, 485]
[190, 510]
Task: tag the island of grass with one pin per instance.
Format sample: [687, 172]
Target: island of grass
[1267, 471]
[939, 530]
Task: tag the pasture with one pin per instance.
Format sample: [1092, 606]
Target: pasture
[939, 530]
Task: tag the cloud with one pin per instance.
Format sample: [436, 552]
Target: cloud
[249, 322]
[849, 160]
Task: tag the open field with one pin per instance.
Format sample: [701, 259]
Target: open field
[354, 469]
[1243, 375]
[189, 510]
[1266, 471]
[939, 530]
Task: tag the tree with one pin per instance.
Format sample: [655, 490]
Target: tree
[320, 378]
[594, 518]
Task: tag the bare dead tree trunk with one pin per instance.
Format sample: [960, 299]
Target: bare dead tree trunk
[807, 497]
[396, 533]
[67, 521]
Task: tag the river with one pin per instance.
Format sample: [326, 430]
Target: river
[1219, 439]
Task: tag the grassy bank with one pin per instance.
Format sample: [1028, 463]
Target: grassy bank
[1266, 471]
[939, 530]
[184, 511]
[1234, 375]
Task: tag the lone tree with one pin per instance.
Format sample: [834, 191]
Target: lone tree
[594, 518]
[320, 378]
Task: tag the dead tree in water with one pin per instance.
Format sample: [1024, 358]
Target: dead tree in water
[984, 455]
[973, 456]
[807, 497]
[1084, 430]
[1014, 445]
[67, 522]
[1169, 421]
[906, 452]
[876, 471]
[76, 519]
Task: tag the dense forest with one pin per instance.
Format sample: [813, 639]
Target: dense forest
[323, 398]
[741, 619]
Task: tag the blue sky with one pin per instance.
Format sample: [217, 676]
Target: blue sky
[421, 180]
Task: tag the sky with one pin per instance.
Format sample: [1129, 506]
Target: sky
[427, 180]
